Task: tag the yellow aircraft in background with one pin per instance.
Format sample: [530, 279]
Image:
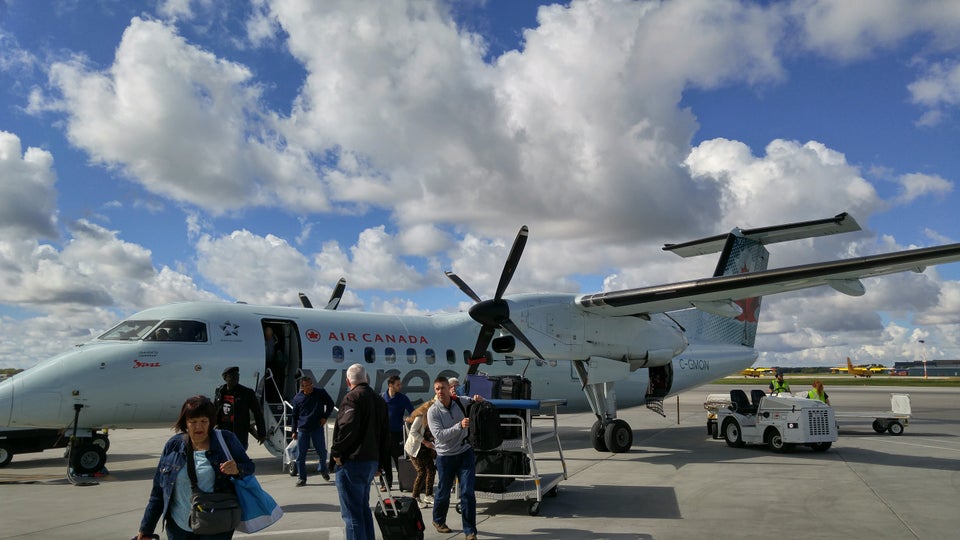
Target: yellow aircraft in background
[860, 371]
[758, 372]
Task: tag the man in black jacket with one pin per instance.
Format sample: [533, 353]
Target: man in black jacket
[361, 447]
[234, 403]
[311, 408]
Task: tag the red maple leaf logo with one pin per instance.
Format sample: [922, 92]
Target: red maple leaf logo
[313, 335]
[748, 305]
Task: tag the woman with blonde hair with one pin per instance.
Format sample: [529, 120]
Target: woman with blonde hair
[419, 446]
[818, 393]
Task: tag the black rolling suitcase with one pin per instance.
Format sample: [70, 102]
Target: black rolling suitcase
[501, 463]
[406, 474]
[399, 518]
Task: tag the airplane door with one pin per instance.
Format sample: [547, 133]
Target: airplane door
[283, 358]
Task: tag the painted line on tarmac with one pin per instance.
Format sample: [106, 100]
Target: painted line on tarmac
[906, 443]
[333, 533]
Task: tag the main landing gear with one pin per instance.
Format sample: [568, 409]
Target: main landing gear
[611, 435]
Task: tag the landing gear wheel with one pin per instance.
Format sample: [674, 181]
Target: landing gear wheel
[88, 458]
[102, 441]
[6, 455]
[775, 441]
[292, 468]
[618, 436]
[458, 508]
[596, 437]
[731, 434]
[534, 508]
[821, 446]
[895, 428]
[878, 426]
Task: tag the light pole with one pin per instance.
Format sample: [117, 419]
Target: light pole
[923, 353]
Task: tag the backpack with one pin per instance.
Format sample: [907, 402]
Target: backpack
[484, 433]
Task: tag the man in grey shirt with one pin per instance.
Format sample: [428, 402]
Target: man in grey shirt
[448, 422]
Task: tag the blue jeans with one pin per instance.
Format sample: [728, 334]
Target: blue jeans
[304, 437]
[353, 486]
[449, 467]
[176, 533]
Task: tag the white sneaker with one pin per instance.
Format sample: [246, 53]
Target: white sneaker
[428, 498]
[422, 501]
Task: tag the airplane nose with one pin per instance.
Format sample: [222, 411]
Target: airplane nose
[6, 402]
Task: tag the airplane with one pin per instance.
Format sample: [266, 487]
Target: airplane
[600, 351]
[758, 372]
[860, 371]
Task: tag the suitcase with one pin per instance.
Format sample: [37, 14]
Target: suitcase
[406, 474]
[484, 432]
[482, 385]
[515, 387]
[512, 464]
[399, 518]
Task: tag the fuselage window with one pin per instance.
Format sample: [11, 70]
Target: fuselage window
[509, 360]
[451, 357]
[191, 331]
[390, 355]
[131, 330]
[369, 355]
[430, 356]
[337, 354]
[411, 356]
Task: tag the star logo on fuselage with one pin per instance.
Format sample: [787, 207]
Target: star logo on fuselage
[230, 329]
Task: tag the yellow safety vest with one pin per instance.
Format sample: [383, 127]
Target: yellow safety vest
[813, 394]
[778, 387]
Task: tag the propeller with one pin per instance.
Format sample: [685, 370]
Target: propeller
[337, 294]
[494, 314]
[334, 297]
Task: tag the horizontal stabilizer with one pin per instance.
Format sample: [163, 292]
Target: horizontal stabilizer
[841, 223]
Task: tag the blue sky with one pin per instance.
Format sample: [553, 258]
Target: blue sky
[175, 150]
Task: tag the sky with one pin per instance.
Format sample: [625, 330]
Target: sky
[176, 150]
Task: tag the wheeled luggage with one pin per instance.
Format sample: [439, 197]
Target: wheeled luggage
[406, 473]
[514, 387]
[399, 518]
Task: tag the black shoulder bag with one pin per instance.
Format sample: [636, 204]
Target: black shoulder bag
[210, 513]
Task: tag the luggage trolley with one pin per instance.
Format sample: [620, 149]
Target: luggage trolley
[531, 485]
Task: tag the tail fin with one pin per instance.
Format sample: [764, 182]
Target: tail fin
[743, 251]
[849, 366]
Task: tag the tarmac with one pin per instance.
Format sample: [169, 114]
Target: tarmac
[676, 482]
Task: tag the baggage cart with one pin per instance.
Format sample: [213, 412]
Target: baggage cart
[536, 483]
[892, 421]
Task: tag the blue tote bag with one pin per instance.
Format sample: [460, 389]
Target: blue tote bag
[258, 510]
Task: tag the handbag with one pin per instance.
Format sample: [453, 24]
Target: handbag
[258, 510]
[210, 513]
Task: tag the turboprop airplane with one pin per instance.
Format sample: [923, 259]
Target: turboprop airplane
[860, 371]
[757, 372]
[599, 351]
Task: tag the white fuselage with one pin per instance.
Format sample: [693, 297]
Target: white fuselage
[140, 383]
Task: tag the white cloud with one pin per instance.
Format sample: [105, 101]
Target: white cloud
[181, 122]
[850, 30]
[28, 200]
[938, 91]
[916, 185]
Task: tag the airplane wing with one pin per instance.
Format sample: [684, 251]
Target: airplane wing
[842, 275]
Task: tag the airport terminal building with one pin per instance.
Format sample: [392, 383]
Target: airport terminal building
[935, 368]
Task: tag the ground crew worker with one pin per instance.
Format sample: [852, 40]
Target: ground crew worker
[778, 386]
[818, 393]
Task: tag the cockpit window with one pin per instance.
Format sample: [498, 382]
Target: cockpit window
[174, 330]
[131, 330]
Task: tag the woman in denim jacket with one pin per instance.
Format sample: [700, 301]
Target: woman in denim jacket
[170, 496]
